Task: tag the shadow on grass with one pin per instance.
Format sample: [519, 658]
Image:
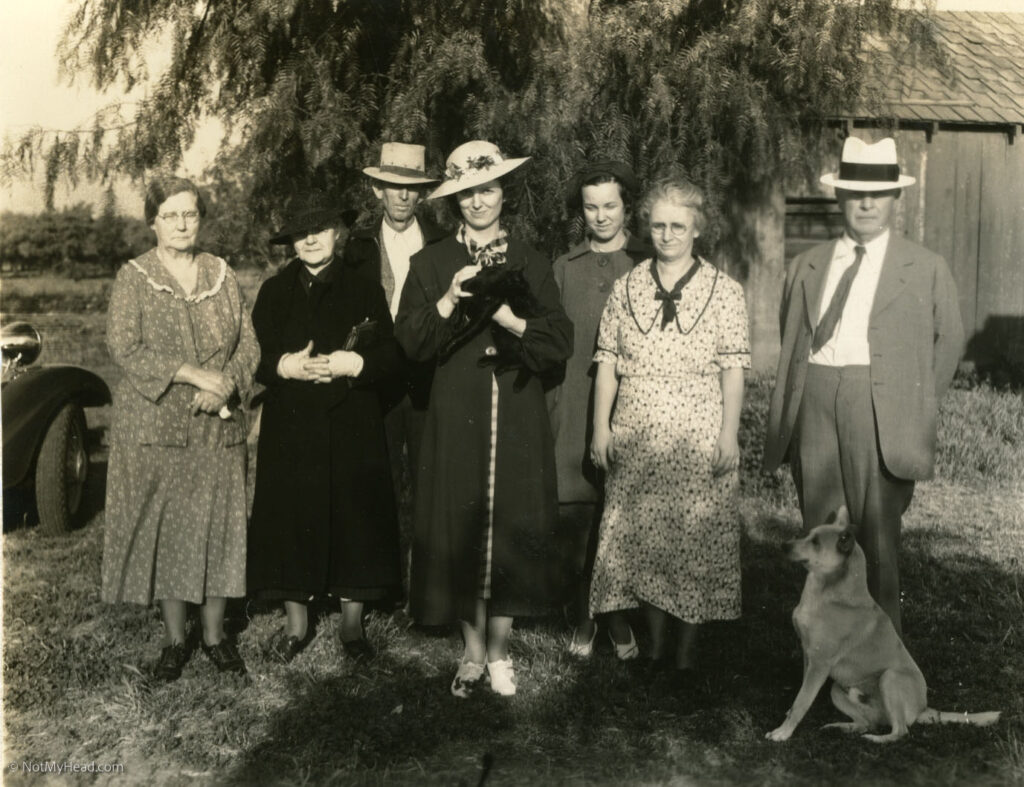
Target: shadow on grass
[394, 721]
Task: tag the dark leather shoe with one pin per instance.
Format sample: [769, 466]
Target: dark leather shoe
[225, 657]
[358, 649]
[284, 647]
[172, 659]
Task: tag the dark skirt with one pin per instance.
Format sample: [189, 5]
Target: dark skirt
[324, 519]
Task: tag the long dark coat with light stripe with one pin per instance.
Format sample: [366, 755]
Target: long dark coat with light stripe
[324, 512]
[451, 502]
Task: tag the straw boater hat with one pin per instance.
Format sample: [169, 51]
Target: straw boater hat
[308, 212]
[865, 167]
[473, 163]
[402, 165]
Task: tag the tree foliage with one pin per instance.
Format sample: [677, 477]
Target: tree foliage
[69, 241]
[732, 93]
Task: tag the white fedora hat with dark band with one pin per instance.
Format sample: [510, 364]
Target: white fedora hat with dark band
[868, 167]
[401, 164]
[474, 163]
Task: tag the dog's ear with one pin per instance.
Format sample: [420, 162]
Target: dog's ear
[842, 516]
[846, 542]
[831, 518]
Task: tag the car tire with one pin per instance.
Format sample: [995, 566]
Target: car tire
[61, 471]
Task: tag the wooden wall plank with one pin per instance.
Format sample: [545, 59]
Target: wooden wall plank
[1000, 316]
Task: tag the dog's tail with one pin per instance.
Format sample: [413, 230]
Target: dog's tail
[932, 716]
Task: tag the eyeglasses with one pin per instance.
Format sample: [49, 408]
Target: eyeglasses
[173, 216]
[672, 229]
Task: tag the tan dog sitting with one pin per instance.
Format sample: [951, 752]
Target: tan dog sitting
[846, 636]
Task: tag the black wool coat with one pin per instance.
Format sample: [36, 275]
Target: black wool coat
[363, 254]
[451, 506]
[324, 517]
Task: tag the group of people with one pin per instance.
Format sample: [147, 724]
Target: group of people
[598, 471]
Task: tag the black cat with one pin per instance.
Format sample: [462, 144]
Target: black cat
[490, 288]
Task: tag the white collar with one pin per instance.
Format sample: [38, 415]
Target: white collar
[874, 249]
[409, 232]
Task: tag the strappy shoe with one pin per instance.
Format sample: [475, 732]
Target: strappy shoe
[503, 677]
[583, 650]
[627, 651]
[173, 659]
[467, 679]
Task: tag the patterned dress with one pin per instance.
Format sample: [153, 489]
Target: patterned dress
[175, 515]
[670, 532]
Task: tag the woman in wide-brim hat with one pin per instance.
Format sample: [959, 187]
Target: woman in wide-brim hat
[486, 507]
[324, 520]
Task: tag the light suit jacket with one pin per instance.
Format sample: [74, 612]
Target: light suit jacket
[915, 337]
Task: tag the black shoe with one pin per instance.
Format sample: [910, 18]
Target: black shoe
[225, 657]
[172, 659]
[358, 649]
[283, 647]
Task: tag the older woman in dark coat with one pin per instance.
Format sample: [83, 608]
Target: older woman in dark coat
[324, 520]
[486, 508]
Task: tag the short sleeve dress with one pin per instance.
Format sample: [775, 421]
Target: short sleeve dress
[175, 516]
[669, 535]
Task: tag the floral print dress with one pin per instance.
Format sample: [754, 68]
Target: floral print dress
[669, 534]
[176, 507]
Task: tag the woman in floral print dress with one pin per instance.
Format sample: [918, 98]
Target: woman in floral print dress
[175, 526]
[672, 348]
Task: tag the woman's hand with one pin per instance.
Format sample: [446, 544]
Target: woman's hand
[602, 451]
[207, 402]
[302, 366]
[217, 383]
[726, 457]
[450, 299]
[507, 319]
[344, 363]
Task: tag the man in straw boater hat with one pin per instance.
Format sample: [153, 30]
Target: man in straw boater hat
[871, 337]
[382, 251]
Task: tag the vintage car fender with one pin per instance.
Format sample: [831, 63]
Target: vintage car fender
[29, 403]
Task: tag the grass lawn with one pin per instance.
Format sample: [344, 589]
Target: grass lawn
[75, 688]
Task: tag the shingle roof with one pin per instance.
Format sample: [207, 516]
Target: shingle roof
[982, 81]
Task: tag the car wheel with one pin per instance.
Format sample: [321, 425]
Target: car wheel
[61, 471]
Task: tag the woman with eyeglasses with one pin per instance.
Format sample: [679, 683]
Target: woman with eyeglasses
[671, 351]
[324, 523]
[175, 528]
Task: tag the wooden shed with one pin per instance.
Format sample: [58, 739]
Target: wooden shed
[959, 134]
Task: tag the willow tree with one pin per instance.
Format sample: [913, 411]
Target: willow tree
[733, 93]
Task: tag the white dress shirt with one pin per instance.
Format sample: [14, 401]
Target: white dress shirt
[849, 344]
[400, 246]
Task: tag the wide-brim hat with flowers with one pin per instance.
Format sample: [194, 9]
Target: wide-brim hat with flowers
[473, 163]
[402, 165]
[868, 167]
[308, 212]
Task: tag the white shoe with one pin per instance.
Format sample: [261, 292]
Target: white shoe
[467, 679]
[582, 650]
[628, 651]
[503, 677]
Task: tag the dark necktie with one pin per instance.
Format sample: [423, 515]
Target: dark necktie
[827, 324]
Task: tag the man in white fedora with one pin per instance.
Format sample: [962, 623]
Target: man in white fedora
[382, 251]
[871, 337]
